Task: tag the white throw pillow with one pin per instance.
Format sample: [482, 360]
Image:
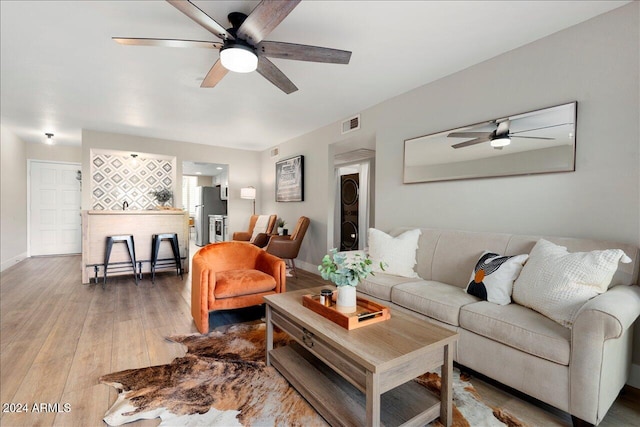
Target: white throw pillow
[261, 226]
[398, 254]
[493, 276]
[557, 283]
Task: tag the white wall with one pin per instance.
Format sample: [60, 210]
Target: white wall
[243, 167]
[595, 63]
[54, 153]
[14, 203]
[13, 199]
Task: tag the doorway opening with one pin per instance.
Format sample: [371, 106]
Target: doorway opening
[354, 177]
[205, 194]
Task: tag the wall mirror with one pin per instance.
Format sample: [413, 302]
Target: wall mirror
[541, 141]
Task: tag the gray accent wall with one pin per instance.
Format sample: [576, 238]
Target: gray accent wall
[596, 63]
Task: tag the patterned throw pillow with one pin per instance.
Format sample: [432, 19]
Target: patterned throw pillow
[397, 253]
[493, 276]
[557, 283]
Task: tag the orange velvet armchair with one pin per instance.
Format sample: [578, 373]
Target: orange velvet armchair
[260, 239]
[228, 275]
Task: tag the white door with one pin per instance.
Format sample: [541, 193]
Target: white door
[55, 209]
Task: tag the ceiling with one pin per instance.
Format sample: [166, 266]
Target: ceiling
[60, 71]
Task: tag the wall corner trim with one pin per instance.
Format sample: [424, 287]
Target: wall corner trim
[634, 378]
[21, 257]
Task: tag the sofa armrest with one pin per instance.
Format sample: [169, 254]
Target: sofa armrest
[601, 341]
[273, 266]
[243, 236]
[614, 311]
[203, 282]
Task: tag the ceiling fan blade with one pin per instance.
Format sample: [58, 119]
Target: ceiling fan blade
[167, 42]
[301, 52]
[264, 18]
[544, 127]
[471, 142]
[195, 13]
[531, 137]
[275, 76]
[215, 74]
[468, 134]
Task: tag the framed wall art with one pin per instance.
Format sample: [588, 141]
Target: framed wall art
[290, 180]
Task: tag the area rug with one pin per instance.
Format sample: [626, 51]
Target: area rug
[223, 381]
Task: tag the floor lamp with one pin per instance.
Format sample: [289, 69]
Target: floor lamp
[249, 193]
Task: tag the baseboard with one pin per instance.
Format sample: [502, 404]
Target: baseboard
[303, 265]
[13, 261]
[634, 378]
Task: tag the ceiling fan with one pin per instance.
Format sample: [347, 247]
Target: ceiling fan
[243, 48]
[498, 138]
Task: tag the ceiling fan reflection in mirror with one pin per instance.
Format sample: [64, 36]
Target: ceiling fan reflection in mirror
[243, 48]
[499, 138]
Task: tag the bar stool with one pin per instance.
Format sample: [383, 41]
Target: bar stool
[155, 250]
[128, 239]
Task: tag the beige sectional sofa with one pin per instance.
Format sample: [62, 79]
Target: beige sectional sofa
[579, 370]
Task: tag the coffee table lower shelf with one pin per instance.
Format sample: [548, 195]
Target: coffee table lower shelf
[342, 404]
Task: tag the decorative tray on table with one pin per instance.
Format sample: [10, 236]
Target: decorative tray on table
[366, 313]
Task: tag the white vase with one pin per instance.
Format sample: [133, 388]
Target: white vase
[346, 302]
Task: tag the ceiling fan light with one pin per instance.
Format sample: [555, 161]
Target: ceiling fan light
[501, 142]
[238, 58]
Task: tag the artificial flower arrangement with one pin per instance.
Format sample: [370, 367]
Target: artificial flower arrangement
[162, 196]
[346, 270]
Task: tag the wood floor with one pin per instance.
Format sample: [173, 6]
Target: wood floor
[57, 337]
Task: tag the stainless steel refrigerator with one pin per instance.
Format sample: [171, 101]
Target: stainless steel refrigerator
[208, 202]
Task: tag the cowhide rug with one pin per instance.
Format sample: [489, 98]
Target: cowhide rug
[223, 381]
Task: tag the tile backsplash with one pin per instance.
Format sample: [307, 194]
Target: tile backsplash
[116, 179]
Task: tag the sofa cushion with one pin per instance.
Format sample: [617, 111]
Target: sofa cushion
[380, 285]
[520, 328]
[397, 254]
[233, 283]
[557, 283]
[493, 276]
[433, 299]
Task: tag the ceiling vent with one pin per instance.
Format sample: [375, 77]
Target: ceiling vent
[351, 124]
[275, 152]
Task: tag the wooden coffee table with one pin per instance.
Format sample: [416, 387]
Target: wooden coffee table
[344, 373]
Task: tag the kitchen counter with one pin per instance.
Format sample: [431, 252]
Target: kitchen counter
[142, 224]
[139, 212]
